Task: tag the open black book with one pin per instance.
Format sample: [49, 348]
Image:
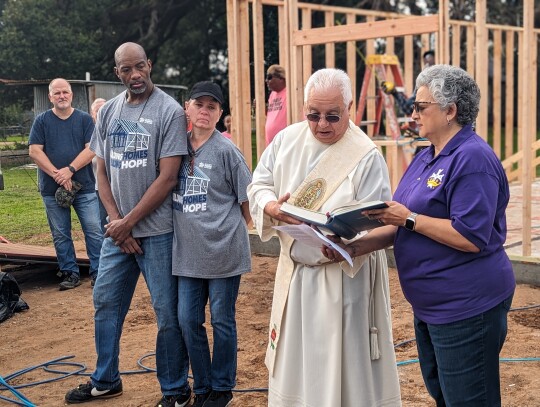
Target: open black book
[346, 221]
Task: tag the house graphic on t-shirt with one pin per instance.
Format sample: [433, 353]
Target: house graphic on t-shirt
[129, 136]
[196, 184]
[129, 145]
[191, 193]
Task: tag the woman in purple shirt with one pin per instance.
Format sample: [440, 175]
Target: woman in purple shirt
[448, 226]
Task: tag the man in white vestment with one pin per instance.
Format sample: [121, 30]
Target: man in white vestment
[330, 337]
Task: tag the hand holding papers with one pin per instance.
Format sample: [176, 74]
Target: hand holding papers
[346, 221]
[312, 237]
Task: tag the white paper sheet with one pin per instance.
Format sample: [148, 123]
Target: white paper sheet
[312, 237]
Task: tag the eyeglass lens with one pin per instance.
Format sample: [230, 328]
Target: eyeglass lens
[417, 106]
[330, 118]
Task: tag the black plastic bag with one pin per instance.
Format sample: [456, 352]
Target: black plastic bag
[10, 297]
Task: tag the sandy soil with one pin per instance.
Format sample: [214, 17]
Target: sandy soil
[59, 323]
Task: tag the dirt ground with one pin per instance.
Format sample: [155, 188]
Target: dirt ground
[59, 323]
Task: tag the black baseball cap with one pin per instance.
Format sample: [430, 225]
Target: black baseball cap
[206, 88]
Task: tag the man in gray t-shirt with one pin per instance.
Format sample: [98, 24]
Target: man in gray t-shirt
[140, 138]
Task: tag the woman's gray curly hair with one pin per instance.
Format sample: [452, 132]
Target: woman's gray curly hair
[449, 84]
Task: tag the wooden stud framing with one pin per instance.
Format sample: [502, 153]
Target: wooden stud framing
[295, 55]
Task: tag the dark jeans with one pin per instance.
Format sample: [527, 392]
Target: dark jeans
[460, 360]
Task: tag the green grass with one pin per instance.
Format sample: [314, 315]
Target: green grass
[17, 138]
[14, 142]
[22, 213]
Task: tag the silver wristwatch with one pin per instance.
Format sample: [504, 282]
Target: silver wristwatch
[410, 222]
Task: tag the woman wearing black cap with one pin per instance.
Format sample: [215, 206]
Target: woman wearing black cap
[210, 246]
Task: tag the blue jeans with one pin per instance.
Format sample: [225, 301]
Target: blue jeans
[460, 360]
[115, 285]
[87, 209]
[102, 214]
[193, 294]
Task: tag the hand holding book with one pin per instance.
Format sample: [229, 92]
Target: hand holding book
[346, 221]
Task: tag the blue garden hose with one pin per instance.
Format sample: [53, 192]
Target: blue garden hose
[81, 368]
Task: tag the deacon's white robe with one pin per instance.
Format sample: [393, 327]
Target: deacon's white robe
[319, 351]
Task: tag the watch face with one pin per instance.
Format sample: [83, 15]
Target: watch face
[409, 224]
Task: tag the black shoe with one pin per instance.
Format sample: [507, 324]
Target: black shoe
[93, 280]
[200, 399]
[180, 400]
[87, 392]
[71, 280]
[219, 399]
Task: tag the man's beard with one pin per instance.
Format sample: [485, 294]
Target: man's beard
[139, 90]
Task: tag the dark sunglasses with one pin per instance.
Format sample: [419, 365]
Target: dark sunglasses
[418, 108]
[316, 117]
[270, 76]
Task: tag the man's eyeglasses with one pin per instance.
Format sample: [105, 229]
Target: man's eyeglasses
[270, 76]
[418, 108]
[316, 117]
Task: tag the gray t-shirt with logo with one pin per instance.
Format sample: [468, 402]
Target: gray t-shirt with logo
[210, 235]
[131, 139]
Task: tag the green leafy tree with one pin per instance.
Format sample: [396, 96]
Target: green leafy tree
[44, 39]
[185, 39]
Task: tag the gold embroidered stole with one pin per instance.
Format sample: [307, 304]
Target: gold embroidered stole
[337, 162]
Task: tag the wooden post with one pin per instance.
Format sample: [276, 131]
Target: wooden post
[284, 39]
[527, 120]
[329, 47]
[497, 83]
[285, 53]
[443, 35]
[307, 60]
[469, 53]
[259, 75]
[295, 85]
[239, 89]
[456, 45]
[351, 64]
[234, 93]
[509, 96]
[481, 67]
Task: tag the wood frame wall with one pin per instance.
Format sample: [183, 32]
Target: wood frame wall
[499, 104]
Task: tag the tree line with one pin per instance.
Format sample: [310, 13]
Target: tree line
[185, 39]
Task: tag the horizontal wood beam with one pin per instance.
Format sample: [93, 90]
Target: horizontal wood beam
[368, 30]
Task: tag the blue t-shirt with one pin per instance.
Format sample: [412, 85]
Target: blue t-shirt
[465, 183]
[62, 141]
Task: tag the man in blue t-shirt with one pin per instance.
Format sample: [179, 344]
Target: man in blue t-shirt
[59, 145]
